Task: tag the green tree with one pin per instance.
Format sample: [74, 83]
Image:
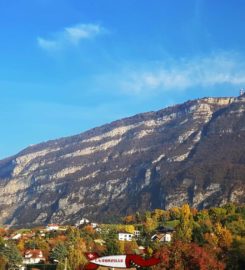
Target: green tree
[236, 258]
[73, 234]
[138, 217]
[113, 247]
[59, 252]
[217, 214]
[237, 227]
[11, 254]
[230, 208]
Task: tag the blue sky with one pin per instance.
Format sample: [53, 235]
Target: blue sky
[70, 65]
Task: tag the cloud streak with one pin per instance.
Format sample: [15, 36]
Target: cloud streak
[205, 71]
[70, 36]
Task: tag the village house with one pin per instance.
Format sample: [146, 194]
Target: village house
[137, 233]
[16, 236]
[98, 230]
[82, 221]
[161, 237]
[125, 236]
[41, 233]
[94, 225]
[33, 256]
[52, 227]
[163, 234]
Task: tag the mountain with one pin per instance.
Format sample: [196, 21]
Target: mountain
[193, 152]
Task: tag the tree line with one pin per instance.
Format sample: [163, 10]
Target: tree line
[202, 239]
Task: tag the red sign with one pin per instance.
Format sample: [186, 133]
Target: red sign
[118, 261]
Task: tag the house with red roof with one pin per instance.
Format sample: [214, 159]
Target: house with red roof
[33, 256]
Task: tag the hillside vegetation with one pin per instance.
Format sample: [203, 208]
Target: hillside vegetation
[207, 239]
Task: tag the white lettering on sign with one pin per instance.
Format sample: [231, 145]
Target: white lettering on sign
[111, 261]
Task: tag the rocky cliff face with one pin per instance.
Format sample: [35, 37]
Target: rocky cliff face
[193, 152]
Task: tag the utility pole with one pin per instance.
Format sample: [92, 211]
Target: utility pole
[65, 264]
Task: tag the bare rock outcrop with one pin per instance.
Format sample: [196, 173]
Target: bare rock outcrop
[192, 152]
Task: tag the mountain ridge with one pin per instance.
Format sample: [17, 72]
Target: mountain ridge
[149, 160]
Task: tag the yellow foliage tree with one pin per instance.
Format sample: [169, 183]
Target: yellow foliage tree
[129, 228]
[76, 256]
[184, 229]
[174, 213]
[130, 247]
[211, 239]
[3, 263]
[224, 236]
[150, 224]
[157, 214]
[21, 245]
[121, 247]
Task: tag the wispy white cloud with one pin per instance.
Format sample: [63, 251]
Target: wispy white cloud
[70, 36]
[47, 44]
[204, 71]
[82, 31]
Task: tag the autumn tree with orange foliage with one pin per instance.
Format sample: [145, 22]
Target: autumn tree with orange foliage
[129, 219]
[89, 229]
[188, 256]
[58, 239]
